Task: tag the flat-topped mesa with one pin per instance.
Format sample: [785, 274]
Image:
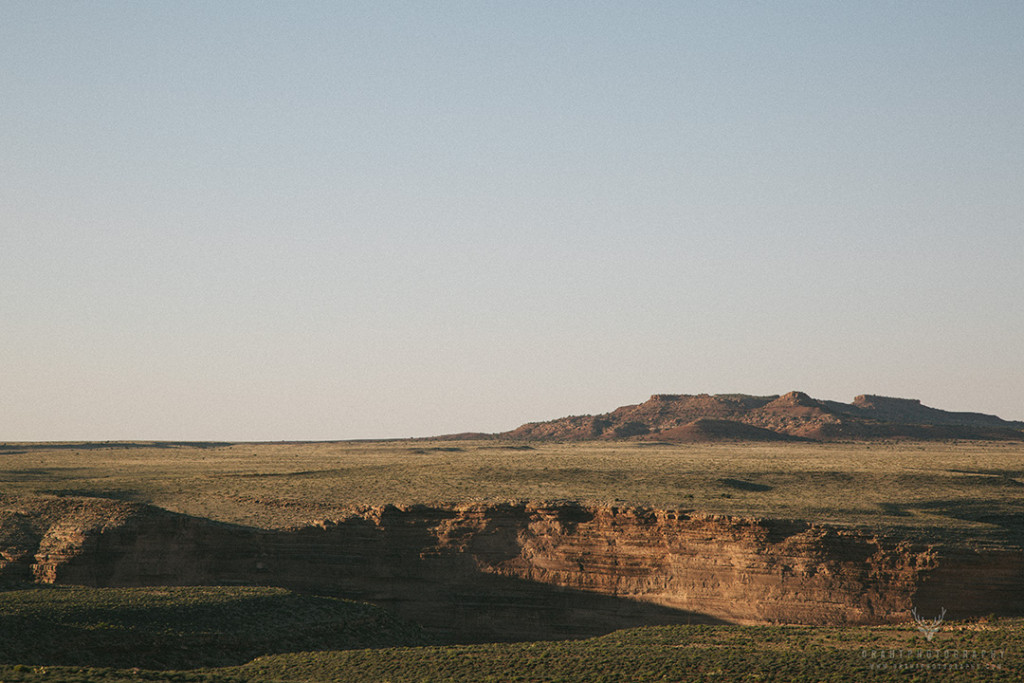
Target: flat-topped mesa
[891, 409]
[794, 414]
[912, 411]
[872, 400]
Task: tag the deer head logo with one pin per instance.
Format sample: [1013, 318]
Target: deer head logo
[928, 627]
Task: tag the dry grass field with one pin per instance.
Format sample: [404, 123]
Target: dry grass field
[985, 650]
[966, 490]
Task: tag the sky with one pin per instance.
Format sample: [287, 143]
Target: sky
[337, 220]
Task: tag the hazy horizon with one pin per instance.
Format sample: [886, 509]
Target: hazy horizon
[268, 222]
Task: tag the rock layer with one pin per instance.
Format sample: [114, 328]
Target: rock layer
[533, 570]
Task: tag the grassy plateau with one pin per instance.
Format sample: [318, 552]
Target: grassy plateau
[970, 492]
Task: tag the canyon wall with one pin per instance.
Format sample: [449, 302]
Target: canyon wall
[531, 570]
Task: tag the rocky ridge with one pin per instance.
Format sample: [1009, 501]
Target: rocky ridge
[792, 416]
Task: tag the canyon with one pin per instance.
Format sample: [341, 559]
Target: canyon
[523, 570]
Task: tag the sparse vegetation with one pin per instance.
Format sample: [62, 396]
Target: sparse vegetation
[182, 627]
[962, 651]
[959, 490]
[675, 653]
[970, 490]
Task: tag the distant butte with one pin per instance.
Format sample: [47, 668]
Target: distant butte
[789, 417]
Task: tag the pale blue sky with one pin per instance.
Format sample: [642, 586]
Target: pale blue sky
[262, 221]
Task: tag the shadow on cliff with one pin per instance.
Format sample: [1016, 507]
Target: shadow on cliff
[517, 572]
[432, 574]
[414, 565]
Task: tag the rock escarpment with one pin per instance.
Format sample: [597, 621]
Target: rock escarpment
[533, 570]
[792, 416]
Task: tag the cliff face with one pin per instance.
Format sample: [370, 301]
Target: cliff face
[509, 572]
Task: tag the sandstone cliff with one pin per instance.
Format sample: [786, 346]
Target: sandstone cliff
[525, 570]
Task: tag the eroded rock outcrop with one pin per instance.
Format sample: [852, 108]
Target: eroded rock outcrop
[792, 416]
[532, 570]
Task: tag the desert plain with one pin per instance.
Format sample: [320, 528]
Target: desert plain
[512, 557]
